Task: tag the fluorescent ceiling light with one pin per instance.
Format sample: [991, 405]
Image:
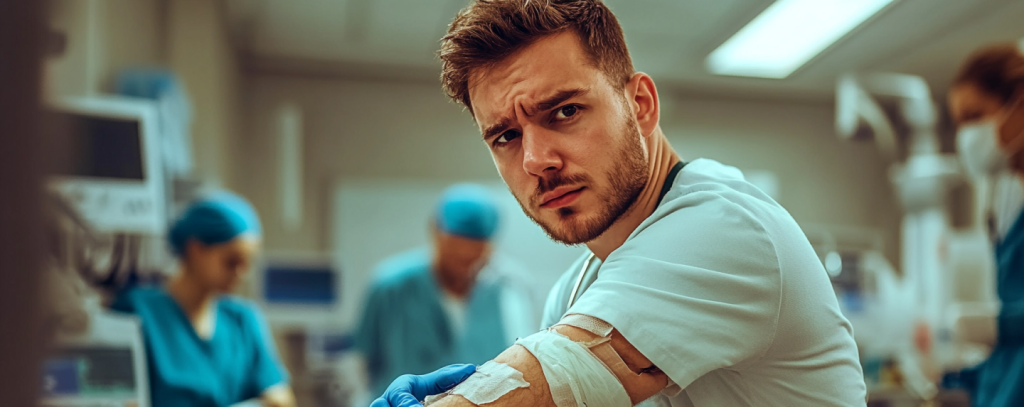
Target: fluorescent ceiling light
[788, 34]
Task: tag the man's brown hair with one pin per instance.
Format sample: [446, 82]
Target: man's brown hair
[488, 31]
[997, 70]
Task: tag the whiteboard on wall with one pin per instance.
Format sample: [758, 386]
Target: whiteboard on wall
[374, 219]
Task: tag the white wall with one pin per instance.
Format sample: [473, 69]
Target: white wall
[402, 132]
[352, 130]
[824, 182]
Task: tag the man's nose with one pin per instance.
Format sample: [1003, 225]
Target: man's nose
[540, 154]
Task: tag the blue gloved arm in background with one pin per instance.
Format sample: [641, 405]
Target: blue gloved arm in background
[1011, 324]
[408, 390]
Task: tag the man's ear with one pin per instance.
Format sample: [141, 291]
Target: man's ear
[643, 99]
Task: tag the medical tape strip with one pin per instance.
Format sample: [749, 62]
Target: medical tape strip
[576, 377]
[587, 323]
[601, 347]
[491, 381]
[603, 350]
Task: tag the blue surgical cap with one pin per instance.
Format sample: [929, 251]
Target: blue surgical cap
[216, 219]
[468, 211]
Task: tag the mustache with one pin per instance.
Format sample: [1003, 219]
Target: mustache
[548, 184]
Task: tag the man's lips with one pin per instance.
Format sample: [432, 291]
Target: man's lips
[560, 197]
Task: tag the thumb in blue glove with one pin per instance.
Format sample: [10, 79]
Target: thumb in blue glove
[408, 390]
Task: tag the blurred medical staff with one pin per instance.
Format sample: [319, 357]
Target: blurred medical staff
[206, 348]
[430, 308]
[986, 103]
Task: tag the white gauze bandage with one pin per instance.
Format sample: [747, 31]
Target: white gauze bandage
[491, 381]
[576, 376]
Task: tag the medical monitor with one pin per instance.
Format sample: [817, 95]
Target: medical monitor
[106, 366]
[299, 290]
[109, 166]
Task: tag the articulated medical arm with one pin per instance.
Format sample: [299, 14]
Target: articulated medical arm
[579, 360]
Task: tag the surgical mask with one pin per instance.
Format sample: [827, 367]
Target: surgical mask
[978, 147]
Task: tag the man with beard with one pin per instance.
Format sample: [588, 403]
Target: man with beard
[697, 289]
[450, 303]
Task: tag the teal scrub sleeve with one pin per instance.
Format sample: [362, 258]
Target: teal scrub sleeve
[123, 302]
[367, 337]
[268, 370]
[1011, 324]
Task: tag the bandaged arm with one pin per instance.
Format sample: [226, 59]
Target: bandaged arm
[641, 382]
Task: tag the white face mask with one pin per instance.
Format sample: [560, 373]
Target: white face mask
[979, 150]
[978, 147]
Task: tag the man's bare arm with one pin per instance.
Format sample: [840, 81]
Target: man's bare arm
[639, 386]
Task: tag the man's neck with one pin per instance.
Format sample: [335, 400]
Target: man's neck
[458, 289]
[662, 159]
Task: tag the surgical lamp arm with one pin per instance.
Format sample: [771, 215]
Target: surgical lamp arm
[1011, 324]
[854, 104]
[639, 388]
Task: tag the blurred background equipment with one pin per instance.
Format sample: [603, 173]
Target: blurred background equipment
[914, 306]
[300, 295]
[113, 173]
[104, 366]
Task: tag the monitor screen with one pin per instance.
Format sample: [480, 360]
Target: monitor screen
[98, 147]
[90, 372]
[300, 285]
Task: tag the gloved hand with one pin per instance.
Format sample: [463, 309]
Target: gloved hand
[408, 390]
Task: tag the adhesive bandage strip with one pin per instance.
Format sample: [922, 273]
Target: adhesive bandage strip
[587, 323]
[578, 374]
[491, 381]
[602, 348]
[576, 377]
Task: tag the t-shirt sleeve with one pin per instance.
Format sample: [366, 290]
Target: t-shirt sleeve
[696, 288]
[268, 370]
[554, 306]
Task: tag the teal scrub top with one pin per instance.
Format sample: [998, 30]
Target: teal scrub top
[1000, 379]
[404, 328]
[237, 363]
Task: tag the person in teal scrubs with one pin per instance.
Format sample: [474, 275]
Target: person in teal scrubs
[987, 103]
[428, 308]
[204, 347]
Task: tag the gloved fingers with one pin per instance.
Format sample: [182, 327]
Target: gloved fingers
[380, 402]
[441, 380]
[403, 399]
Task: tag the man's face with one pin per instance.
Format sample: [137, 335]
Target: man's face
[459, 260]
[563, 138]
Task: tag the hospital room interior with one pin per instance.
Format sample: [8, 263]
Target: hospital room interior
[311, 146]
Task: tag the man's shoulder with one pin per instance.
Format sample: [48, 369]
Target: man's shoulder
[401, 270]
[713, 201]
[705, 181]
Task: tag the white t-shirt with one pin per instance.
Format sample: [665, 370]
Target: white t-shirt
[721, 290]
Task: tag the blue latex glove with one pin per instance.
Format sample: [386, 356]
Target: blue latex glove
[408, 390]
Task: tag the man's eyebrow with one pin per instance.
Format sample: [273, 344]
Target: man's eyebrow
[543, 105]
[556, 99]
[497, 128]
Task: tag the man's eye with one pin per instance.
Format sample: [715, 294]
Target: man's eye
[506, 137]
[566, 112]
